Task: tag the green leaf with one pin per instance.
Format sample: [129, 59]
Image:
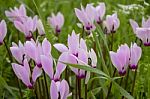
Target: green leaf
[100, 51]
[122, 91]
[4, 84]
[88, 68]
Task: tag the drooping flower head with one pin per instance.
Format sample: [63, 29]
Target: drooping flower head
[3, 31]
[17, 14]
[135, 55]
[34, 50]
[23, 73]
[27, 27]
[142, 32]
[100, 12]
[18, 52]
[59, 90]
[86, 16]
[120, 59]
[56, 21]
[111, 23]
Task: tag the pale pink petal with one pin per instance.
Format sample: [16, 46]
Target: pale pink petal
[30, 49]
[134, 25]
[36, 73]
[17, 54]
[64, 89]
[53, 90]
[3, 30]
[46, 47]
[61, 47]
[47, 65]
[19, 26]
[40, 27]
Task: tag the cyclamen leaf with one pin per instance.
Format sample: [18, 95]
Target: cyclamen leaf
[123, 91]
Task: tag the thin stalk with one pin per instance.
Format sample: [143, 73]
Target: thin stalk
[109, 90]
[82, 32]
[133, 84]
[85, 91]
[79, 88]
[35, 91]
[46, 84]
[76, 94]
[39, 88]
[127, 79]
[11, 60]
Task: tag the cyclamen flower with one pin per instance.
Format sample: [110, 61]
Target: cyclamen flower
[3, 31]
[18, 52]
[86, 17]
[93, 58]
[59, 90]
[34, 50]
[27, 27]
[17, 14]
[56, 21]
[120, 59]
[40, 27]
[78, 49]
[23, 73]
[135, 55]
[100, 12]
[47, 65]
[111, 23]
[143, 32]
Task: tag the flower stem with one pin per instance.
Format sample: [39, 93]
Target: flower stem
[133, 84]
[79, 88]
[127, 79]
[46, 85]
[85, 91]
[76, 87]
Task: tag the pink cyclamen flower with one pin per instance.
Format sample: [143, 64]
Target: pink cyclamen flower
[56, 21]
[120, 59]
[143, 32]
[3, 31]
[18, 52]
[59, 90]
[40, 27]
[78, 50]
[34, 50]
[93, 58]
[86, 16]
[100, 12]
[111, 23]
[135, 55]
[17, 14]
[47, 65]
[27, 27]
[144, 35]
[23, 73]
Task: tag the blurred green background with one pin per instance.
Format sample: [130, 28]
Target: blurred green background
[126, 9]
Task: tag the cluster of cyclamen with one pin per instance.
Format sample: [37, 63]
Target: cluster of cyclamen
[125, 57]
[39, 54]
[28, 25]
[90, 14]
[75, 53]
